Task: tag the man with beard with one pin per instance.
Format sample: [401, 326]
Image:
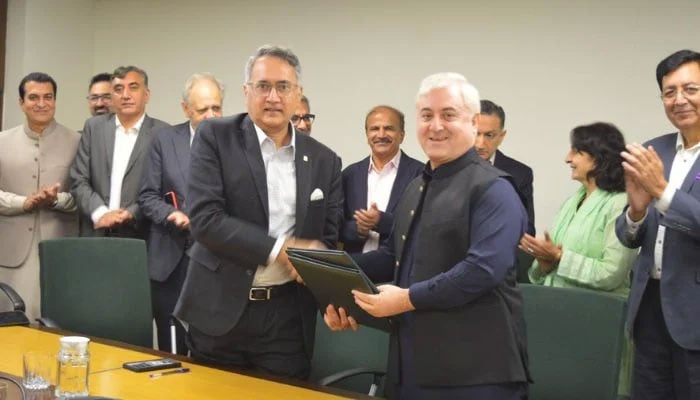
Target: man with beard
[302, 118]
[374, 185]
[100, 94]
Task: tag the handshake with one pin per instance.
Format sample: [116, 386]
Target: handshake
[293, 242]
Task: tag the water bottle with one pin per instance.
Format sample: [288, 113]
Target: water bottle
[73, 367]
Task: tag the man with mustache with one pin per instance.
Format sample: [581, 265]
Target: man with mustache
[106, 172]
[302, 118]
[374, 185]
[100, 94]
[34, 199]
[663, 219]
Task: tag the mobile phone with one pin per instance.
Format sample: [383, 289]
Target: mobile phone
[151, 365]
[171, 199]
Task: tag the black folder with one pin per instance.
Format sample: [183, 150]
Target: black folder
[331, 275]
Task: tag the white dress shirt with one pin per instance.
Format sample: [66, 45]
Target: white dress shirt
[379, 185]
[682, 162]
[282, 201]
[124, 140]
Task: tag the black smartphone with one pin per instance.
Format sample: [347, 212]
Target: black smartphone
[152, 365]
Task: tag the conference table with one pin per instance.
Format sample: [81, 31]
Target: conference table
[107, 377]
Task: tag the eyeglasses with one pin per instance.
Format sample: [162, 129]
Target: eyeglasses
[263, 88]
[308, 118]
[95, 97]
[688, 91]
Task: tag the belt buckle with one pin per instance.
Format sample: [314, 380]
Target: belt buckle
[258, 294]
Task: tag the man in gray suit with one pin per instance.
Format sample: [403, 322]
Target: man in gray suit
[663, 218]
[256, 187]
[164, 203]
[34, 202]
[106, 172]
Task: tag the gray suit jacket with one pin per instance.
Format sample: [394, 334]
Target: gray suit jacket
[92, 169]
[229, 214]
[680, 278]
[165, 170]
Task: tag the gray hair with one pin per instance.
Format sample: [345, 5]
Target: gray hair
[121, 72]
[442, 80]
[269, 50]
[203, 76]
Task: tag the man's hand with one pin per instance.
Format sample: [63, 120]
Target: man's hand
[366, 220]
[32, 202]
[637, 198]
[179, 219]
[283, 260]
[114, 218]
[646, 169]
[338, 320]
[50, 195]
[391, 300]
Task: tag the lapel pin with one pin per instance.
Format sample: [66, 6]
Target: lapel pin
[697, 177]
[306, 159]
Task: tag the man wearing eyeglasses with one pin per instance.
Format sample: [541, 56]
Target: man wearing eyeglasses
[106, 172]
[100, 94]
[255, 188]
[374, 185]
[663, 219]
[302, 118]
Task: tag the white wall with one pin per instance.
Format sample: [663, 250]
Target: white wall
[56, 37]
[551, 64]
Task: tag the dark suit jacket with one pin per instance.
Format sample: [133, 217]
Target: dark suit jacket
[228, 203]
[522, 175]
[680, 276]
[165, 170]
[92, 168]
[355, 190]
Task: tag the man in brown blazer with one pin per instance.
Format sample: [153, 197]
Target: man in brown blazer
[34, 199]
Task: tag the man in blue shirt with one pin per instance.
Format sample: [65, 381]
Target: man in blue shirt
[451, 253]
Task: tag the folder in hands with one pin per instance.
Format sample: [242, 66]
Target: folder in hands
[331, 275]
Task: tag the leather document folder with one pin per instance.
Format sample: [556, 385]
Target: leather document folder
[331, 275]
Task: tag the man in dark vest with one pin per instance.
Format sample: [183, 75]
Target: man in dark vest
[459, 324]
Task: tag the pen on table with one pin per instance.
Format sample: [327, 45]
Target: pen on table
[174, 371]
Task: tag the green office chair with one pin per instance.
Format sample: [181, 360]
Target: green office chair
[97, 287]
[354, 361]
[575, 339]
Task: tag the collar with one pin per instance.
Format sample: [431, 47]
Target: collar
[394, 161]
[262, 137]
[492, 159]
[36, 135]
[191, 132]
[136, 126]
[450, 168]
[681, 146]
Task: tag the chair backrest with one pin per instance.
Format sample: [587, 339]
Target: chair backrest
[575, 341]
[341, 351]
[98, 287]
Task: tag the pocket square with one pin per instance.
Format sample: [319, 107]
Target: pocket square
[316, 195]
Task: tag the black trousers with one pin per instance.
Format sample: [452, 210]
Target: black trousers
[662, 369]
[164, 296]
[269, 337]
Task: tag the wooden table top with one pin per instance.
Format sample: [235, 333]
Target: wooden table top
[108, 378]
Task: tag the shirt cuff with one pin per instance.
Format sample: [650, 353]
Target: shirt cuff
[17, 202]
[633, 227]
[419, 294]
[276, 249]
[98, 213]
[665, 200]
